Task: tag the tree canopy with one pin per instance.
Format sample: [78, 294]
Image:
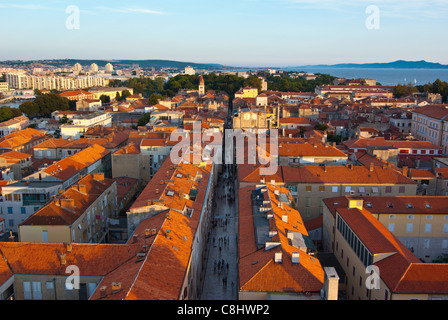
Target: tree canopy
[44, 105]
[7, 113]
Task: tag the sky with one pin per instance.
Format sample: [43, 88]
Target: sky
[252, 33]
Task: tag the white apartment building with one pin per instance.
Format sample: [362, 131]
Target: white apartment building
[25, 81]
[430, 123]
[23, 198]
[82, 123]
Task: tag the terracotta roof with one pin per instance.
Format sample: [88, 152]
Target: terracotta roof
[294, 120]
[343, 174]
[257, 269]
[363, 143]
[18, 138]
[81, 195]
[15, 155]
[436, 111]
[309, 150]
[13, 121]
[128, 149]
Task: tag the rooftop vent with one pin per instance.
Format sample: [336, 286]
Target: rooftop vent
[278, 257]
[63, 259]
[295, 257]
[103, 291]
[116, 287]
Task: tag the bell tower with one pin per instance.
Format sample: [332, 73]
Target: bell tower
[201, 86]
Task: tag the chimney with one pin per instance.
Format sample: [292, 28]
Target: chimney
[11, 237]
[63, 259]
[278, 257]
[68, 204]
[68, 247]
[103, 291]
[98, 176]
[116, 287]
[285, 218]
[405, 171]
[372, 166]
[331, 284]
[295, 257]
[181, 194]
[82, 188]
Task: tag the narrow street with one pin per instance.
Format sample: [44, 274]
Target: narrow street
[221, 276]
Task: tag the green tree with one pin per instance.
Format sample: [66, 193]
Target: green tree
[154, 99]
[144, 120]
[125, 94]
[64, 119]
[118, 96]
[402, 90]
[7, 113]
[105, 99]
[44, 105]
[321, 127]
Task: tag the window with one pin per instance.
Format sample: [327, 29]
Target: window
[388, 189]
[362, 189]
[308, 188]
[348, 189]
[401, 189]
[10, 210]
[45, 236]
[411, 216]
[429, 217]
[22, 210]
[426, 243]
[307, 202]
[428, 228]
[445, 228]
[410, 227]
[37, 290]
[391, 227]
[375, 189]
[322, 188]
[444, 244]
[27, 290]
[334, 189]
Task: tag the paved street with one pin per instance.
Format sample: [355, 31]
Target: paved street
[221, 276]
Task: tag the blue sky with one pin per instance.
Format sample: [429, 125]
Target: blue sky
[229, 32]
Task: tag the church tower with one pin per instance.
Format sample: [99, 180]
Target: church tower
[201, 86]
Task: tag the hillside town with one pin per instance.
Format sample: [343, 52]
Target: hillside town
[98, 202]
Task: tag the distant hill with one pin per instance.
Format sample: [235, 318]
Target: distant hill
[399, 64]
[125, 63]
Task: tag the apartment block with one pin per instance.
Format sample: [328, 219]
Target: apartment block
[429, 124]
[275, 252]
[80, 214]
[376, 264]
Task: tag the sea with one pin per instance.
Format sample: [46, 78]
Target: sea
[386, 76]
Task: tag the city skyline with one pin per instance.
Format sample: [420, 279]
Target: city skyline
[233, 33]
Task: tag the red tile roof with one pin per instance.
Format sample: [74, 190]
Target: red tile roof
[257, 269]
